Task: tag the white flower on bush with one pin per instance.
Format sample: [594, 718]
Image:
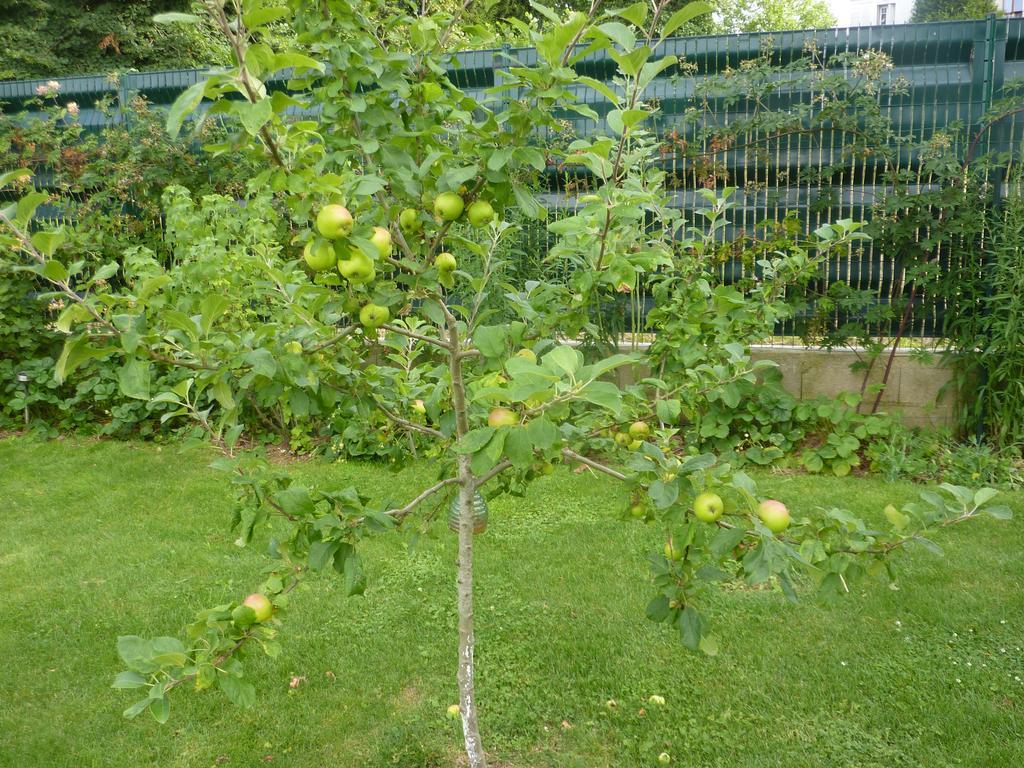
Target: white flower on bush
[48, 88]
[72, 108]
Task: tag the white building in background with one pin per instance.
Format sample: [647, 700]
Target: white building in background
[864, 13]
[858, 13]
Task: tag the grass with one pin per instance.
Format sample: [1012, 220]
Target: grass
[101, 539]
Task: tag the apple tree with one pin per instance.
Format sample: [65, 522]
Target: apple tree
[369, 274]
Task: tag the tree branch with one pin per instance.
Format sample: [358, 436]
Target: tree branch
[399, 513]
[411, 424]
[571, 454]
[413, 335]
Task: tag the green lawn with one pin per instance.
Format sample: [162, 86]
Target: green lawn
[102, 539]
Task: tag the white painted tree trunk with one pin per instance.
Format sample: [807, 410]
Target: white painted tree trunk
[467, 488]
[467, 691]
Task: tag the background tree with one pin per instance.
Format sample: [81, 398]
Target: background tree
[946, 10]
[771, 15]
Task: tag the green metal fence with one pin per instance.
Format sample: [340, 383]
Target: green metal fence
[951, 73]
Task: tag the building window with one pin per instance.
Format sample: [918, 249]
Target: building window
[1013, 7]
[887, 13]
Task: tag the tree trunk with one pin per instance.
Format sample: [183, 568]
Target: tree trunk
[467, 692]
[467, 488]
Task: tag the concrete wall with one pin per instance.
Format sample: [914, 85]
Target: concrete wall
[915, 389]
[921, 393]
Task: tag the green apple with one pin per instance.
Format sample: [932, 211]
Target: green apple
[294, 347]
[358, 268]
[373, 316]
[480, 213]
[639, 511]
[319, 255]
[334, 221]
[260, 605]
[638, 430]
[381, 240]
[448, 206]
[622, 438]
[445, 262]
[454, 712]
[774, 515]
[664, 758]
[527, 354]
[502, 417]
[419, 407]
[656, 701]
[409, 221]
[672, 552]
[708, 507]
[635, 444]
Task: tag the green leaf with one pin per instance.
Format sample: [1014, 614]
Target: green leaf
[261, 362]
[999, 512]
[295, 501]
[491, 340]
[618, 33]
[355, 579]
[518, 447]
[528, 204]
[320, 553]
[691, 627]
[27, 205]
[553, 43]
[658, 609]
[47, 244]
[499, 158]
[134, 379]
[76, 352]
[129, 679]
[160, 709]
[663, 494]
[685, 14]
[984, 495]
[169, 652]
[54, 271]
[668, 411]
[136, 653]
[238, 691]
[604, 394]
[474, 440]
[896, 519]
[297, 61]
[709, 645]
[257, 17]
[254, 115]
[137, 708]
[564, 358]
[16, 175]
[601, 88]
[183, 106]
[636, 13]
[632, 62]
[543, 434]
[213, 306]
[489, 455]
[725, 541]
